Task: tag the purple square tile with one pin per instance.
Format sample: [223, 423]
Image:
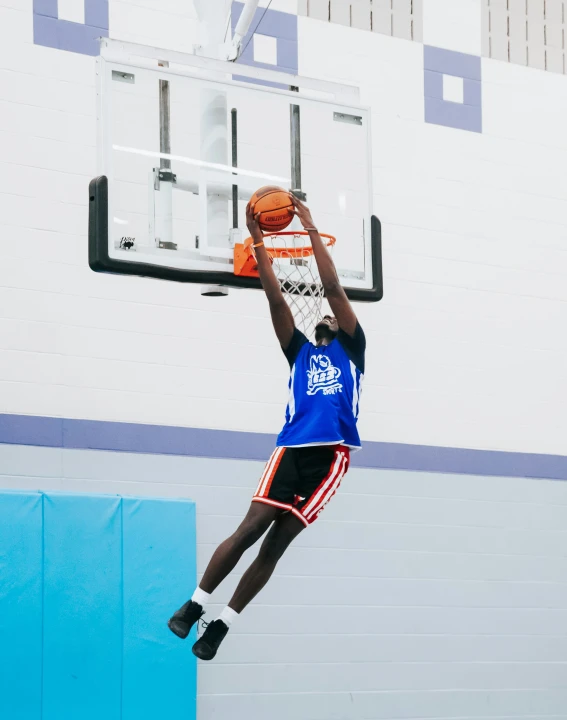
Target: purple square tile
[50, 31]
[265, 83]
[287, 55]
[45, 30]
[463, 116]
[282, 26]
[473, 93]
[96, 13]
[454, 115]
[433, 84]
[83, 39]
[269, 22]
[450, 62]
[45, 7]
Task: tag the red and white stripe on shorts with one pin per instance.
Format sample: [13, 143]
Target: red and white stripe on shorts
[315, 504]
[328, 486]
[269, 472]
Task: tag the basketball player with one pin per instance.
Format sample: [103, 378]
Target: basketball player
[313, 449]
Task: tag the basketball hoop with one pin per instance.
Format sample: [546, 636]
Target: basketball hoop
[296, 270]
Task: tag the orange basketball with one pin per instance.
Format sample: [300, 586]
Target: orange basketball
[275, 207]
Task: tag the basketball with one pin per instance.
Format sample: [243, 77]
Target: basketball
[275, 207]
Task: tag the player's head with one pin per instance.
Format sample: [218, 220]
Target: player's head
[326, 330]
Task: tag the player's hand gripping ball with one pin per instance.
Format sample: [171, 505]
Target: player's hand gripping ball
[273, 208]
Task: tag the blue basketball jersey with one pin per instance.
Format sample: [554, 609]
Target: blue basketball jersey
[324, 391]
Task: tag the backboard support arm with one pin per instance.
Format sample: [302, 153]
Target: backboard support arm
[234, 49]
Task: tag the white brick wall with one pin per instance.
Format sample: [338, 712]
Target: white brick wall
[455, 585]
[170, 24]
[474, 227]
[466, 348]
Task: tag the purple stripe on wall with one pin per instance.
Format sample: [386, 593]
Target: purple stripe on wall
[199, 442]
[31, 430]
[425, 458]
[165, 440]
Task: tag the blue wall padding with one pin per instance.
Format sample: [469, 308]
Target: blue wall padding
[159, 675]
[20, 605]
[87, 583]
[82, 608]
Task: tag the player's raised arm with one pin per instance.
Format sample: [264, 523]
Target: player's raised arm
[334, 292]
[282, 317]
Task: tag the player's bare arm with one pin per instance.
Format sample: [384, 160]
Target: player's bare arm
[282, 317]
[334, 292]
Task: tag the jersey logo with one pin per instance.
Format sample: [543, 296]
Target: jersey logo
[323, 375]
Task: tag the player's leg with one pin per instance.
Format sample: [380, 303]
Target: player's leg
[320, 471]
[305, 482]
[276, 490]
[224, 560]
[282, 533]
[226, 556]
[273, 495]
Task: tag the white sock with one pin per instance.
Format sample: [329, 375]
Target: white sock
[201, 597]
[228, 616]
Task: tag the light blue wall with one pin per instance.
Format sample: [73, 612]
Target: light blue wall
[87, 582]
[415, 595]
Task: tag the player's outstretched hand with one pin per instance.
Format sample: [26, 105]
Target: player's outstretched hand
[252, 223]
[303, 213]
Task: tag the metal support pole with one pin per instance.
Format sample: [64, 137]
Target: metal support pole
[164, 122]
[295, 130]
[214, 149]
[163, 179]
[234, 119]
[214, 214]
[241, 29]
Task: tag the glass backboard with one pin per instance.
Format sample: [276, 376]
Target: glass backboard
[183, 146]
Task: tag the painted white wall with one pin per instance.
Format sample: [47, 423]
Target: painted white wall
[170, 24]
[415, 595]
[453, 25]
[467, 348]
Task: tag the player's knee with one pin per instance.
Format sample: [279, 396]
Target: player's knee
[273, 548]
[249, 533]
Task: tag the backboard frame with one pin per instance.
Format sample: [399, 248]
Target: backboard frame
[142, 57]
[101, 262]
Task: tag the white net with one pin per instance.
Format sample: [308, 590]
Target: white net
[298, 275]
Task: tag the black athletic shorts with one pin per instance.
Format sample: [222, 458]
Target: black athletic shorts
[303, 480]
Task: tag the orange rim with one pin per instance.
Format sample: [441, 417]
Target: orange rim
[297, 252]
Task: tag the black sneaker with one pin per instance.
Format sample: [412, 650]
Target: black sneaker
[183, 620]
[206, 646]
